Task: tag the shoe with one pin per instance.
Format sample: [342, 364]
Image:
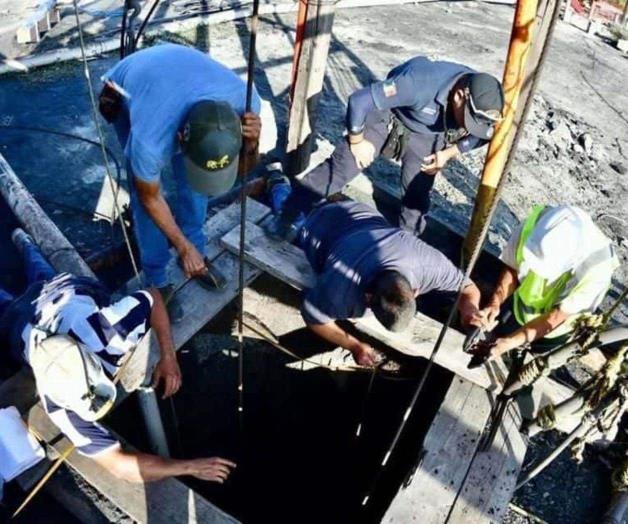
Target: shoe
[284, 227]
[173, 304]
[19, 237]
[212, 279]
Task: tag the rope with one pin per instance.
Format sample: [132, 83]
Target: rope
[101, 139]
[243, 193]
[300, 359]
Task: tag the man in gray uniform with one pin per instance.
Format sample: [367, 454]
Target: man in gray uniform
[362, 262]
[425, 113]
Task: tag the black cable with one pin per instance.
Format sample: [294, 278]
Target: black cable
[145, 22]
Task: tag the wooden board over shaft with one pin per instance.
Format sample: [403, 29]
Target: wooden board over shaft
[288, 263]
[454, 482]
[449, 465]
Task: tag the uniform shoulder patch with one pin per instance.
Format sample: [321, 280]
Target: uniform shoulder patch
[390, 88]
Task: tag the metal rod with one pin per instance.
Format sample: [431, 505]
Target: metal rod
[517, 54]
[249, 100]
[101, 139]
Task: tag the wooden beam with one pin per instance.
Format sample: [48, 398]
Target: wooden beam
[493, 475]
[53, 244]
[308, 85]
[288, 263]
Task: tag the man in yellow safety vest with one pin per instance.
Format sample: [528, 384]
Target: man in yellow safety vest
[558, 265]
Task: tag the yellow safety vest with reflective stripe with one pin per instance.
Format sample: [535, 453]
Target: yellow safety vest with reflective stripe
[536, 296]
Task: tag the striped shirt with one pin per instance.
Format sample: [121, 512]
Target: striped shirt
[67, 305]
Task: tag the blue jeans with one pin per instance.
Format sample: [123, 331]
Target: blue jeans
[37, 269]
[190, 212]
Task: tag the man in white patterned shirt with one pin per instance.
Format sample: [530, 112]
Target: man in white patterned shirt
[62, 319]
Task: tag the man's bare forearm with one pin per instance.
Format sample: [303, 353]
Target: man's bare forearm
[505, 287]
[160, 323]
[534, 330]
[334, 334]
[142, 467]
[249, 158]
[469, 300]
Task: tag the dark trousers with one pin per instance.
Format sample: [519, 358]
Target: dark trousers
[337, 171]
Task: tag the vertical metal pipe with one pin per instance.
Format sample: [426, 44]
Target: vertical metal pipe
[152, 419]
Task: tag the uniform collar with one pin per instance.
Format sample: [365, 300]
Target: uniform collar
[442, 97]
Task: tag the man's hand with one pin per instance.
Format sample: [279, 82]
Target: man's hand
[437, 161]
[192, 261]
[490, 313]
[214, 469]
[251, 128]
[364, 355]
[168, 371]
[363, 151]
[473, 317]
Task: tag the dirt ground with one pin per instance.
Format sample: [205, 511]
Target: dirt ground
[574, 149]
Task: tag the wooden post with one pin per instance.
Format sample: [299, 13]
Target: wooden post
[312, 58]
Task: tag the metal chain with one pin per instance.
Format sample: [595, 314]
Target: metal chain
[101, 139]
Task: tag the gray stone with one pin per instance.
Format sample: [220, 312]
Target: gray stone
[586, 141]
[561, 135]
[618, 167]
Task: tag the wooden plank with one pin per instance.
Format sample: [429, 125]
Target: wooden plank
[199, 304]
[308, 83]
[447, 453]
[287, 262]
[168, 501]
[493, 475]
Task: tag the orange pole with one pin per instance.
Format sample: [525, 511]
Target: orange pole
[298, 42]
[499, 149]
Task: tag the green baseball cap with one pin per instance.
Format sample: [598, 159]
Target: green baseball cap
[212, 139]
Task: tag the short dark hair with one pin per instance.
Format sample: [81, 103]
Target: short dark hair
[393, 300]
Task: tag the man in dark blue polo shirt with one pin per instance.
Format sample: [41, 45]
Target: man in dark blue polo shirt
[424, 114]
[361, 263]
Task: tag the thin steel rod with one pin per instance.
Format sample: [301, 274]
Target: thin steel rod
[249, 101]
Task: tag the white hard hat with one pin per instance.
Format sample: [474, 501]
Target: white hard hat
[72, 378]
[558, 242]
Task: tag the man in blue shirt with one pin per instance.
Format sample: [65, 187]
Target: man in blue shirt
[174, 106]
[425, 113]
[362, 262]
[75, 339]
